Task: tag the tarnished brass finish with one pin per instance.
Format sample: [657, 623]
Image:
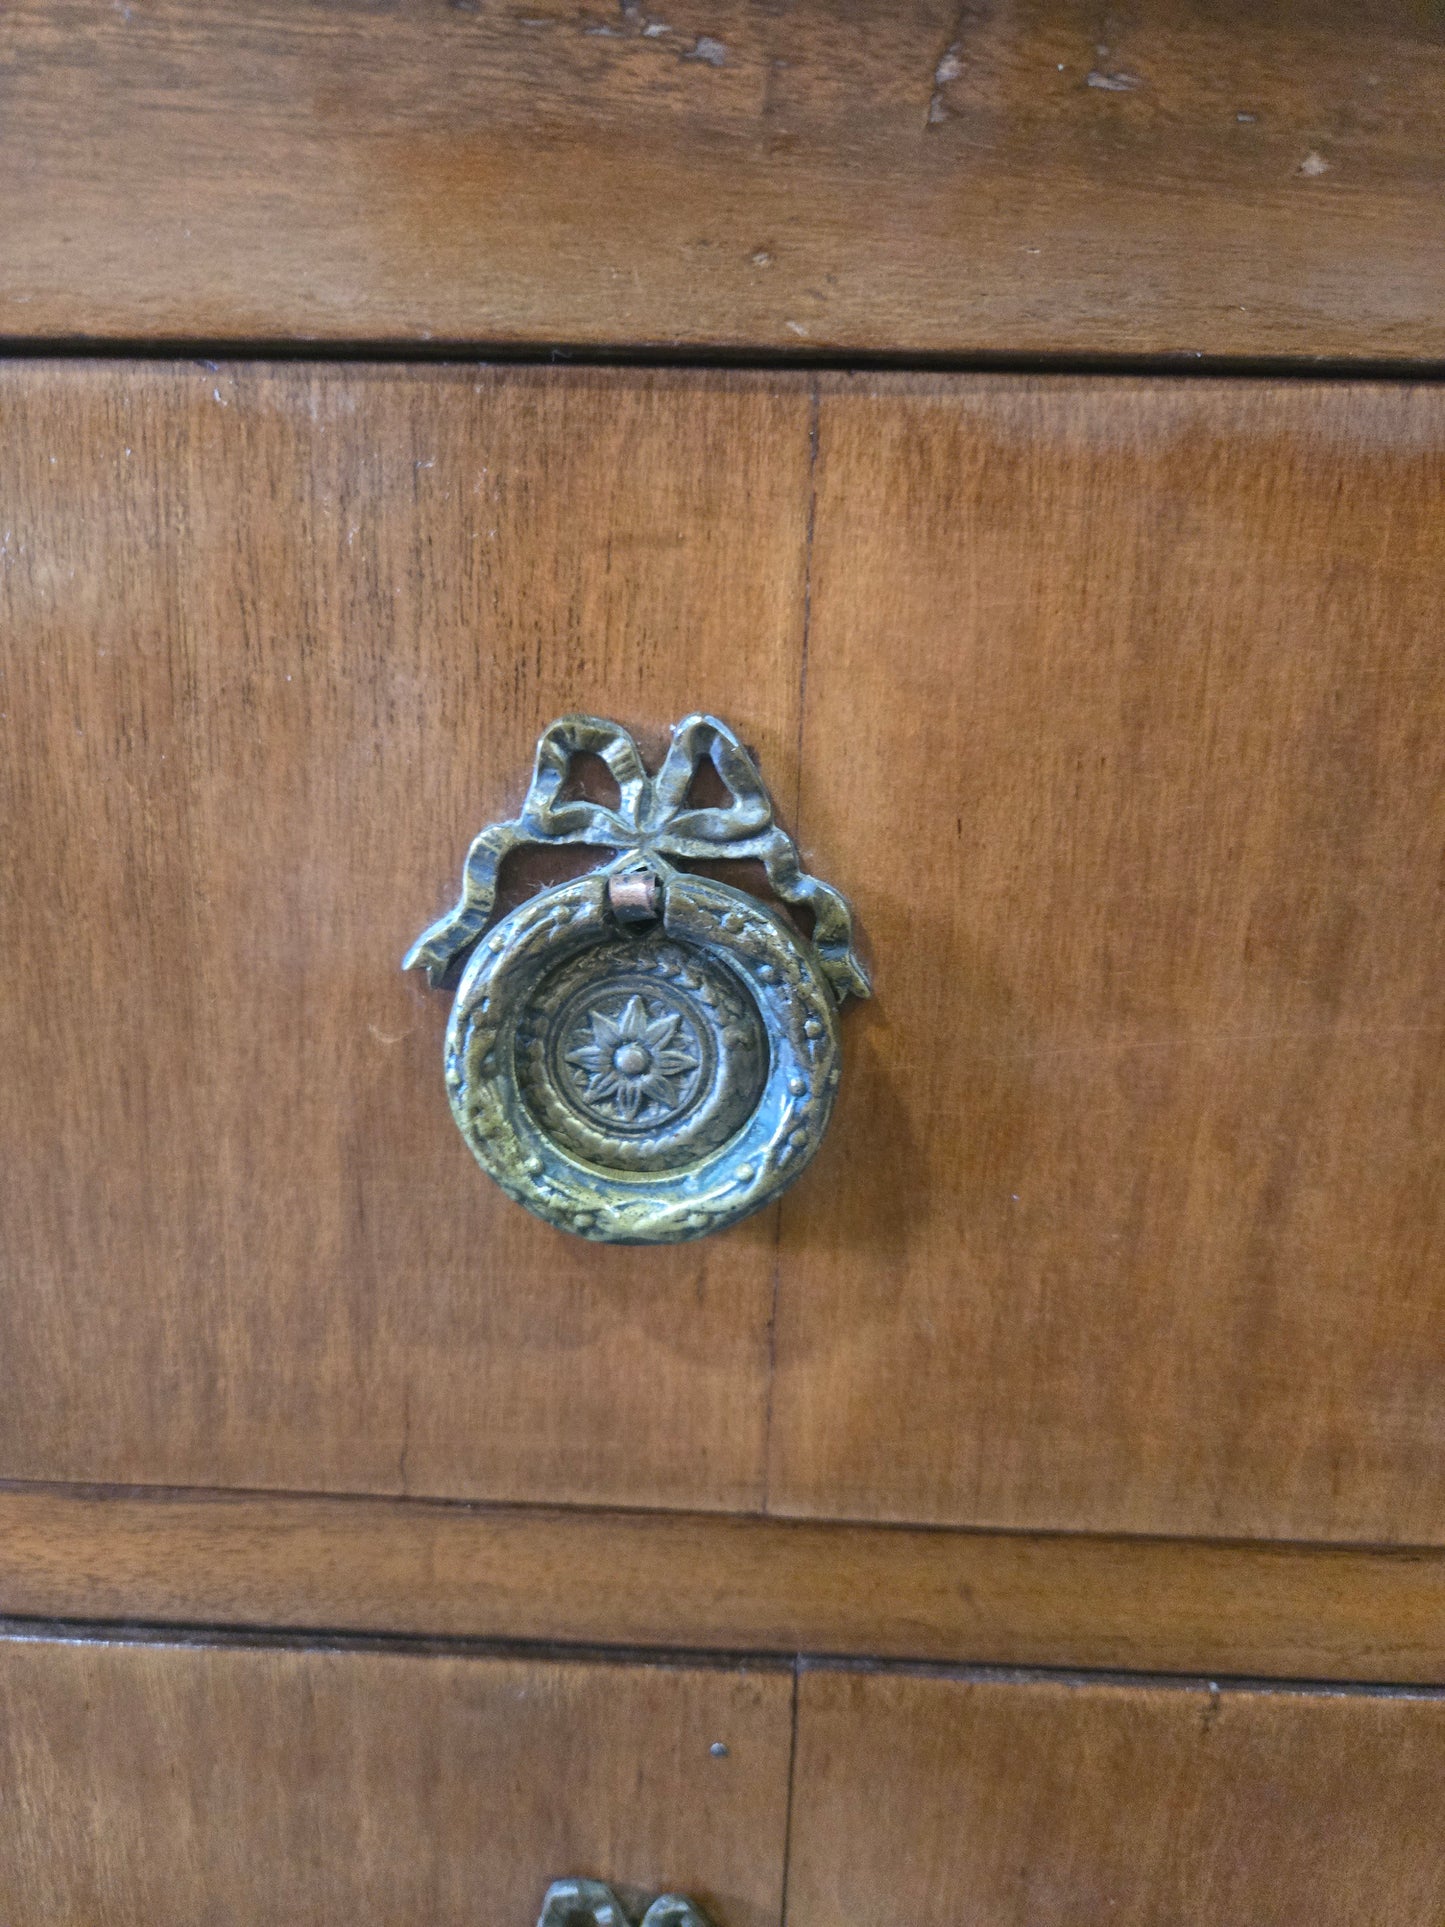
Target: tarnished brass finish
[644, 1055]
[588, 1903]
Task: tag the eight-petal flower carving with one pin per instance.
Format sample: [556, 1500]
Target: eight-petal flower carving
[631, 1060]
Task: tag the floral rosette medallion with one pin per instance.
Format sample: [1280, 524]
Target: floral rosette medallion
[644, 1054]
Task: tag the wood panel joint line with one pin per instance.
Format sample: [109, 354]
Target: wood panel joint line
[792, 1777]
[809, 531]
[213, 352]
[561, 1511]
[815, 404]
[137, 1630]
[24, 1629]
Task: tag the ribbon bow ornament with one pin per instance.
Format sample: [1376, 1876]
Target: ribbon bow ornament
[588, 1903]
[649, 825]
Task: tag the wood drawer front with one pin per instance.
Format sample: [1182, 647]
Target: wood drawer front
[159, 1786]
[1055, 1803]
[1257, 179]
[148, 1785]
[1116, 705]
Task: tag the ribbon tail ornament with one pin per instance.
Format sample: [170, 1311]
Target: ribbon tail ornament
[542, 820]
[641, 1058]
[747, 829]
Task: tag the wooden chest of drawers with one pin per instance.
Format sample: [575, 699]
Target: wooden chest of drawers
[1037, 1516]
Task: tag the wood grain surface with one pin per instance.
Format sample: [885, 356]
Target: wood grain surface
[277, 643]
[1123, 728]
[904, 176]
[1126, 728]
[1046, 1803]
[162, 1785]
[704, 1582]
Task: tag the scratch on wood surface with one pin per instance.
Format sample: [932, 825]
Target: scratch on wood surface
[1106, 74]
[634, 23]
[951, 63]
[949, 69]
[384, 1036]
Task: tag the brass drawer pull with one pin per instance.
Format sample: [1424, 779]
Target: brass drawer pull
[588, 1903]
[644, 1054]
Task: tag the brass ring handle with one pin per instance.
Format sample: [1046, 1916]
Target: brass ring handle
[644, 1054]
[588, 1903]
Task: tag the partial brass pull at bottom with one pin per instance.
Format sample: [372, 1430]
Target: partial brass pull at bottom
[588, 1903]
